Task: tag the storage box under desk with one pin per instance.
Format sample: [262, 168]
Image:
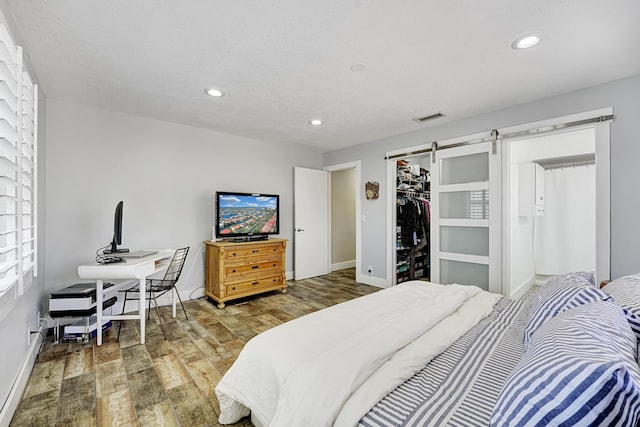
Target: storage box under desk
[56, 315]
[80, 296]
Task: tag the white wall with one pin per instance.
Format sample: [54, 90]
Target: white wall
[166, 174]
[623, 95]
[343, 217]
[521, 269]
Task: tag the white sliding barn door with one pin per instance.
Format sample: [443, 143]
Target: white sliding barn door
[465, 216]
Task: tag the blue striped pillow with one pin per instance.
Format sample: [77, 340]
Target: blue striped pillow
[559, 294]
[579, 370]
[626, 293]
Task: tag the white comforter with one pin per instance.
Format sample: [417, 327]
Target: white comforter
[332, 366]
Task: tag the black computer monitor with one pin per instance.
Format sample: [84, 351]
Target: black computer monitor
[117, 232]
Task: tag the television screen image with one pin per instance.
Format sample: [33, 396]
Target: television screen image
[246, 214]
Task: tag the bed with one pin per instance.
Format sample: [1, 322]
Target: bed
[422, 353]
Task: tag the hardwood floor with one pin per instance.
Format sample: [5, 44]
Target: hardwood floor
[165, 382]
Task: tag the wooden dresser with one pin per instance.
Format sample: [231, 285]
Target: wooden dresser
[236, 270]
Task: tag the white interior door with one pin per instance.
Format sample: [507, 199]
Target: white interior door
[465, 217]
[311, 219]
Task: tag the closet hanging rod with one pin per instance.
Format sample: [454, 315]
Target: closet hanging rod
[532, 131]
[413, 193]
[570, 165]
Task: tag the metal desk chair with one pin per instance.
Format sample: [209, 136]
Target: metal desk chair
[158, 287]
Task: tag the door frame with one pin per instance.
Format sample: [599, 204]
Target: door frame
[391, 190]
[358, 202]
[602, 131]
[603, 185]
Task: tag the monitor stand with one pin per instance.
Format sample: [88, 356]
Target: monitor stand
[117, 251]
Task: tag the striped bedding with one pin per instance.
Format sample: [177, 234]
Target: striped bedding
[461, 385]
[297, 374]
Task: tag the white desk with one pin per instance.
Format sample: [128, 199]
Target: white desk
[133, 268]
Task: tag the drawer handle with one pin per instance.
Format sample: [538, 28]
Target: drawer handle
[233, 254]
[234, 288]
[254, 283]
[255, 251]
[255, 266]
[234, 271]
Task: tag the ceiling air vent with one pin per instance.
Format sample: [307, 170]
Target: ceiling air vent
[427, 118]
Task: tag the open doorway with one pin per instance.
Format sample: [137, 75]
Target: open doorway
[344, 201]
[552, 207]
[412, 220]
[343, 220]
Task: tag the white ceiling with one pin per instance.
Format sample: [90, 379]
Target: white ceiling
[282, 63]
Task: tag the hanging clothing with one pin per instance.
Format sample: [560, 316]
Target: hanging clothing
[413, 217]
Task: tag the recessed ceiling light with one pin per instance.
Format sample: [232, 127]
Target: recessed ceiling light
[525, 42]
[214, 92]
[315, 122]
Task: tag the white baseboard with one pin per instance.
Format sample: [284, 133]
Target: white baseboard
[371, 280]
[541, 279]
[11, 404]
[342, 265]
[523, 288]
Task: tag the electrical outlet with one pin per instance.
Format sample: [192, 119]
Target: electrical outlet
[370, 269]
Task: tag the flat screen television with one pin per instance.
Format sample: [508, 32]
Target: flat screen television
[246, 216]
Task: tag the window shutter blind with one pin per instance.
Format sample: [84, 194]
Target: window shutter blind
[28, 184]
[9, 162]
[18, 167]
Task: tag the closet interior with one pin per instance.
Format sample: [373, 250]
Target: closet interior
[412, 221]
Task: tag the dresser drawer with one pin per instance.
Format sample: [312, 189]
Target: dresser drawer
[253, 251]
[233, 271]
[257, 285]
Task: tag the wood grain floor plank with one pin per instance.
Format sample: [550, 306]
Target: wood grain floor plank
[165, 382]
